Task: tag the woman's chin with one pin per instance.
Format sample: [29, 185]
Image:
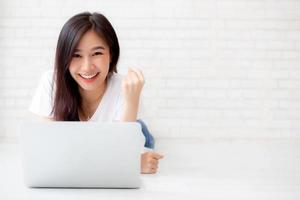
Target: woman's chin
[91, 86]
[88, 87]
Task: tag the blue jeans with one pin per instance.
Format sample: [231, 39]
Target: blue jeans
[149, 138]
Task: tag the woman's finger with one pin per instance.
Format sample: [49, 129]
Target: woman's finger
[153, 161]
[133, 76]
[138, 73]
[156, 155]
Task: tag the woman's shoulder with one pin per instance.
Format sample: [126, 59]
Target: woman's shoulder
[116, 80]
[116, 77]
[47, 77]
[45, 82]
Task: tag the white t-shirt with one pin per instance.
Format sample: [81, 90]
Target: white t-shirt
[109, 109]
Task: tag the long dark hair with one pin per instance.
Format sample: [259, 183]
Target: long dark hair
[67, 98]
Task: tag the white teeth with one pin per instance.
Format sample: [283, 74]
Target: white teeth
[88, 76]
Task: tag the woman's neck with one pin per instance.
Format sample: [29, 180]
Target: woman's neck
[91, 99]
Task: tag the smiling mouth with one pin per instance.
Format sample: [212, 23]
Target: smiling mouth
[89, 76]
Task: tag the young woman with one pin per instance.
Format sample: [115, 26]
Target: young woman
[85, 85]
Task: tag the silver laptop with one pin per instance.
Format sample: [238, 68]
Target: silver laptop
[81, 154]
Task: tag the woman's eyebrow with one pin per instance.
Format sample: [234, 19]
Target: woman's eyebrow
[98, 47]
[92, 49]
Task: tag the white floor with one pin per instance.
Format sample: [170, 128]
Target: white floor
[192, 169]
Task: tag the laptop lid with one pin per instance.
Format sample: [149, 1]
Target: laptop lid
[81, 154]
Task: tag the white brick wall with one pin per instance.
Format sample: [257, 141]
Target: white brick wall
[225, 68]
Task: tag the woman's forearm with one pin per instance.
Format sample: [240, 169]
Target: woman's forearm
[130, 112]
[132, 85]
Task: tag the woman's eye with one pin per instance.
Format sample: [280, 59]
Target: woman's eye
[97, 53]
[76, 55]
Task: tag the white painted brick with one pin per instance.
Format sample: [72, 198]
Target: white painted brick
[181, 103]
[285, 94]
[282, 13]
[278, 24]
[289, 104]
[215, 94]
[289, 65]
[187, 74]
[294, 74]
[291, 54]
[273, 45]
[213, 68]
[292, 4]
[289, 84]
[287, 114]
[267, 35]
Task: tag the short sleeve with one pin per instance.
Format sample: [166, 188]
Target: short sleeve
[42, 103]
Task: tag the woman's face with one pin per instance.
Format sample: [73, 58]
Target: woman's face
[90, 63]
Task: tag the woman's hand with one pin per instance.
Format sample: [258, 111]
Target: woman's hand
[149, 162]
[132, 86]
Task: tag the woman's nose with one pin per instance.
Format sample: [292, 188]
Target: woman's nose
[86, 63]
